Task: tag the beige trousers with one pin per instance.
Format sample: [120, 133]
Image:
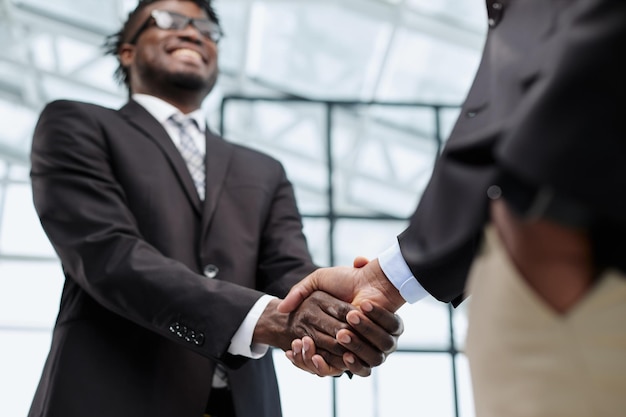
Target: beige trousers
[528, 361]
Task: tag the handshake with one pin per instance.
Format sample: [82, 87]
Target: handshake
[335, 320]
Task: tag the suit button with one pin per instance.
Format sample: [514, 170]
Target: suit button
[494, 192]
[175, 327]
[182, 331]
[495, 13]
[211, 271]
[190, 336]
[198, 340]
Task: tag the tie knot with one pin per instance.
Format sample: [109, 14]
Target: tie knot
[183, 122]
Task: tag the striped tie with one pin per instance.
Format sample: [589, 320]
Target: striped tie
[195, 162]
[190, 152]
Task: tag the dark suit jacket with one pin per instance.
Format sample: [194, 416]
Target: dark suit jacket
[140, 326]
[547, 105]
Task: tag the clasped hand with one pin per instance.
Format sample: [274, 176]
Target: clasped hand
[362, 305]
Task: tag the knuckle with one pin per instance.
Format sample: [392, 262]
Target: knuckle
[378, 359]
[336, 349]
[388, 344]
[357, 348]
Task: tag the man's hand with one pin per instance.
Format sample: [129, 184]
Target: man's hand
[322, 317]
[352, 285]
[556, 261]
[371, 325]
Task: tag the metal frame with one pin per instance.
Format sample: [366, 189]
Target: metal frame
[332, 215]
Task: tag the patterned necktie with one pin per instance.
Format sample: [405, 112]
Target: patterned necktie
[195, 163]
[190, 152]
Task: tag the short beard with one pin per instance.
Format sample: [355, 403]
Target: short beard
[185, 81]
[189, 82]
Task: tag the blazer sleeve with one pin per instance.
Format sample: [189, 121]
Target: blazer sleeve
[83, 210]
[284, 256]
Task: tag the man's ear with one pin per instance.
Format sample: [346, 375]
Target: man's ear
[126, 54]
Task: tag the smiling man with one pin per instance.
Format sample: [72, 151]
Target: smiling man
[176, 245]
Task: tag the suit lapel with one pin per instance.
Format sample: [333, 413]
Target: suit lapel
[139, 118]
[219, 154]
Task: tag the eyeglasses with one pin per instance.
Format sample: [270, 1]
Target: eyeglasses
[166, 20]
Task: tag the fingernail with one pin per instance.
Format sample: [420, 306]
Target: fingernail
[367, 306]
[354, 319]
[344, 338]
[315, 364]
[349, 358]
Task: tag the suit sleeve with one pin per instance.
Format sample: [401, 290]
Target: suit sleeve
[283, 249]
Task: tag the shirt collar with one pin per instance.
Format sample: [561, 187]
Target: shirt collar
[162, 110]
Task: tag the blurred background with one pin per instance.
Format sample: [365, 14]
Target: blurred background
[355, 97]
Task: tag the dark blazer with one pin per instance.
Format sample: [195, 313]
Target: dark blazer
[547, 106]
[157, 282]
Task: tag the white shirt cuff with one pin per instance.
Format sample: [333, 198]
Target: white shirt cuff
[397, 271]
[241, 343]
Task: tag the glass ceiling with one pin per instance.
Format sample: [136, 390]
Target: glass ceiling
[392, 50]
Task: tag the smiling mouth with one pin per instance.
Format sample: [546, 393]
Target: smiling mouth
[187, 54]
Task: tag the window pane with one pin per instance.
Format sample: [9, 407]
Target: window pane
[426, 325]
[21, 362]
[316, 232]
[381, 166]
[20, 230]
[460, 324]
[29, 293]
[407, 384]
[19, 173]
[302, 394]
[417, 385]
[364, 237]
[464, 384]
[293, 133]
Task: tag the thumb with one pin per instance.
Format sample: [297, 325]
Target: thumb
[296, 296]
[360, 261]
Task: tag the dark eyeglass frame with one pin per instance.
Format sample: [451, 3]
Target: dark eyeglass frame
[166, 20]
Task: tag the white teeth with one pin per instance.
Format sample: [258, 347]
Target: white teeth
[187, 53]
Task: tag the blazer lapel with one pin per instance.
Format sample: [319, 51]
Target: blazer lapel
[218, 157]
[143, 121]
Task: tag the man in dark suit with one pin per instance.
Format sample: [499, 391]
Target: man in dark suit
[527, 201]
[174, 244]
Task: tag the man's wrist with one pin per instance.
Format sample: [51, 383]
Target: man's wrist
[393, 298]
[242, 342]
